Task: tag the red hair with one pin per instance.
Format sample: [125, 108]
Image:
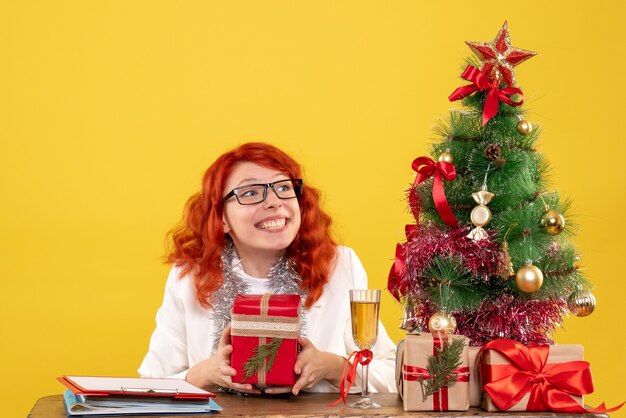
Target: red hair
[198, 240]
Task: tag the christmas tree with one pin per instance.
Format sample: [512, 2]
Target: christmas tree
[490, 255]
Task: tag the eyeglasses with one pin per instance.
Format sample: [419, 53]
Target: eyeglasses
[256, 193]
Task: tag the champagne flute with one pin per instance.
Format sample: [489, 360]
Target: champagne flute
[364, 307]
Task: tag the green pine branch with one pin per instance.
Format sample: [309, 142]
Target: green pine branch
[450, 284]
[561, 273]
[261, 354]
[441, 367]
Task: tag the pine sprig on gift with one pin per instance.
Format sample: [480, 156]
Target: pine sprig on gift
[266, 351]
[441, 367]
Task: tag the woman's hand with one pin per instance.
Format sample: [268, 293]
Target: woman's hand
[313, 366]
[216, 371]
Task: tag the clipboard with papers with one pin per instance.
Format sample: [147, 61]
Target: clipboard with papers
[133, 386]
[94, 396]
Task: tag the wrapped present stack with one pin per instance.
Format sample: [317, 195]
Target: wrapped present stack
[487, 258]
[439, 372]
[264, 333]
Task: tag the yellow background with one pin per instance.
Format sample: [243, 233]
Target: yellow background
[110, 111]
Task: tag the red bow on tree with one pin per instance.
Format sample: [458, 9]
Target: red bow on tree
[551, 386]
[426, 167]
[481, 82]
[395, 283]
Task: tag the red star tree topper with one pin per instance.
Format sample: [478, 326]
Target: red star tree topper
[499, 57]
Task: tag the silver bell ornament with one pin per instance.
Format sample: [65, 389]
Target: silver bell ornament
[409, 320]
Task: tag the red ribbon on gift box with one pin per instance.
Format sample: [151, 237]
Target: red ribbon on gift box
[412, 373]
[551, 386]
[440, 402]
[481, 82]
[440, 399]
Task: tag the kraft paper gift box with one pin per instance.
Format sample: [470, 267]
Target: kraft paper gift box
[411, 363]
[256, 320]
[475, 389]
[494, 366]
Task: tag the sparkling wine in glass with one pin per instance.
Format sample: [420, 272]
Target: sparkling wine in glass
[364, 308]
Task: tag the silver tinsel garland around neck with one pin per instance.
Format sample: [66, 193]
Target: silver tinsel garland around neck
[282, 279]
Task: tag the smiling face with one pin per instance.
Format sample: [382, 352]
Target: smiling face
[263, 230]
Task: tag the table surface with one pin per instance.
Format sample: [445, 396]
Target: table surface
[308, 405]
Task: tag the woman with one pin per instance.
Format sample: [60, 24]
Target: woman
[257, 228]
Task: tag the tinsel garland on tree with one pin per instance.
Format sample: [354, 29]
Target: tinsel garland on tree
[485, 306]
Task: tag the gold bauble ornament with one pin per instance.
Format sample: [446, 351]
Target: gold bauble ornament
[524, 127]
[442, 322]
[581, 302]
[446, 156]
[553, 221]
[529, 278]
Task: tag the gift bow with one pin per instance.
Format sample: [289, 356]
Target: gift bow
[551, 386]
[395, 283]
[363, 357]
[425, 168]
[481, 82]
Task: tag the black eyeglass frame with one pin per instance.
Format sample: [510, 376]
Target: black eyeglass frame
[297, 187]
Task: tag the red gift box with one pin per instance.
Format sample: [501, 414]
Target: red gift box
[255, 321]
